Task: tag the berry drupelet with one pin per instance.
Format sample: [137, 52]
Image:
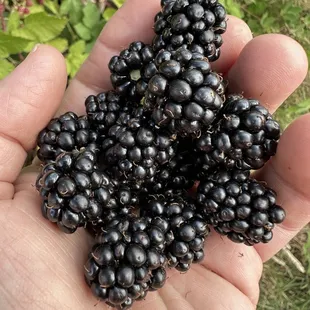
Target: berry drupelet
[242, 208]
[75, 192]
[126, 262]
[185, 96]
[194, 24]
[245, 136]
[64, 134]
[132, 69]
[185, 229]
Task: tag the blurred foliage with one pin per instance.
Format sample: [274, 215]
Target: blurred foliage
[71, 26]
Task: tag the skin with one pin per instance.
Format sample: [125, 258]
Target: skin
[43, 268]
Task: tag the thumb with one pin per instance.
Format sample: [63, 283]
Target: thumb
[30, 96]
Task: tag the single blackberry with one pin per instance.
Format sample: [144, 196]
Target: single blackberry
[104, 110]
[126, 261]
[194, 24]
[178, 174]
[132, 69]
[133, 148]
[75, 192]
[185, 96]
[242, 208]
[64, 134]
[185, 229]
[245, 137]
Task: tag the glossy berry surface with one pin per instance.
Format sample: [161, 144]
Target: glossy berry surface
[196, 25]
[242, 208]
[245, 137]
[185, 96]
[66, 133]
[132, 69]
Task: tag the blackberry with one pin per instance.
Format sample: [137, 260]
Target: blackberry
[123, 264]
[132, 69]
[64, 134]
[75, 192]
[245, 137]
[178, 174]
[194, 24]
[185, 96]
[185, 229]
[133, 148]
[104, 110]
[242, 208]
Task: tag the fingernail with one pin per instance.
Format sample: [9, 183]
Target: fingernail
[35, 48]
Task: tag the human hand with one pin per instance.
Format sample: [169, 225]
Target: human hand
[42, 267]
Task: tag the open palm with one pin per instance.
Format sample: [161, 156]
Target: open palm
[40, 267]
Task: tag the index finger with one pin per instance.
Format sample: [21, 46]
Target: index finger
[134, 22]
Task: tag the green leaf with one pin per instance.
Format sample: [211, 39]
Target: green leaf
[59, 43]
[74, 62]
[5, 68]
[267, 21]
[258, 8]
[233, 8]
[74, 9]
[41, 27]
[13, 21]
[25, 33]
[36, 8]
[97, 29]
[68, 65]
[89, 46]
[29, 47]
[91, 15]
[82, 31]
[52, 6]
[291, 14]
[78, 47]
[108, 13]
[4, 52]
[76, 57]
[65, 7]
[118, 3]
[13, 45]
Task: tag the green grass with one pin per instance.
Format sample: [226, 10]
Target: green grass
[283, 286]
[286, 287]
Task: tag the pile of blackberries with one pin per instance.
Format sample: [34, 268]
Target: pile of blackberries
[126, 170]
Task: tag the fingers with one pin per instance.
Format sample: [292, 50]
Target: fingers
[289, 175]
[236, 37]
[30, 247]
[30, 96]
[132, 22]
[269, 68]
[245, 262]
[205, 290]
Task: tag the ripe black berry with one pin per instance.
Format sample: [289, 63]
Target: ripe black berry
[132, 69]
[242, 208]
[64, 134]
[196, 25]
[184, 101]
[76, 192]
[245, 136]
[124, 269]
